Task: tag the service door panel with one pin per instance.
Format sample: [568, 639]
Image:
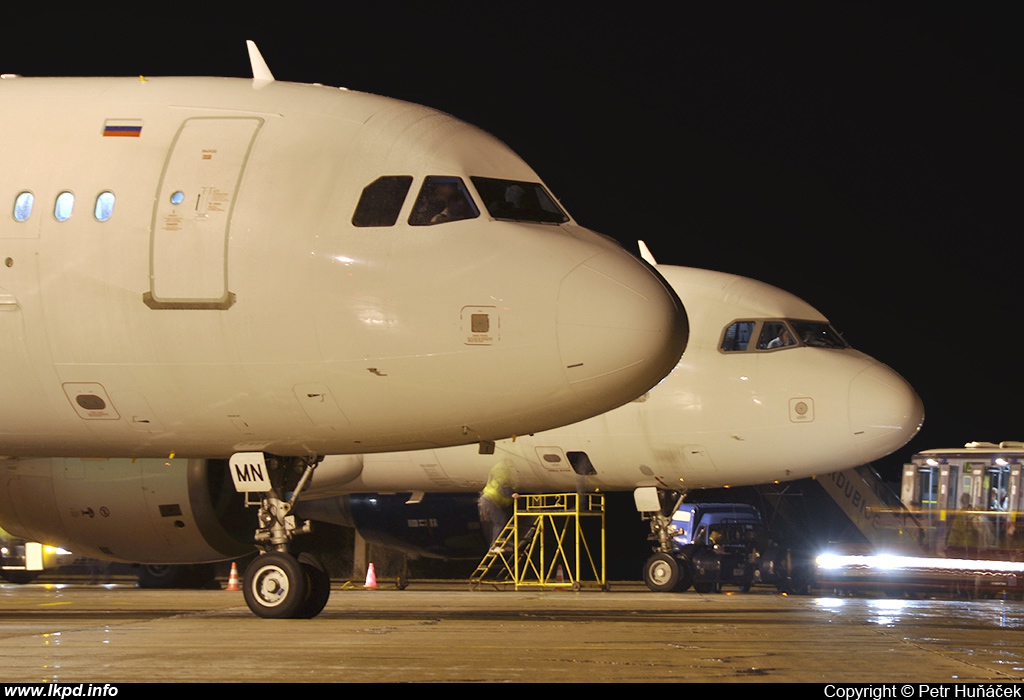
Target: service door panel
[192, 216]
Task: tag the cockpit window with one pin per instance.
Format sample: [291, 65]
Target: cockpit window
[819, 335]
[442, 199]
[776, 334]
[381, 201]
[737, 336]
[519, 201]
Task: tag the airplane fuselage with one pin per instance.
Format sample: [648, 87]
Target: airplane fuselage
[182, 272]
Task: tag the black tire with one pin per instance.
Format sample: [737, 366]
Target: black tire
[319, 586]
[661, 573]
[178, 576]
[20, 577]
[796, 578]
[707, 587]
[276, 586]
[162, 575]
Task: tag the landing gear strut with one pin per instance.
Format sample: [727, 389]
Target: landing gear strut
[663, 572]
[653, 504]
[278, 584]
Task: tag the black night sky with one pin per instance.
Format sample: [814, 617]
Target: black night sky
[863, 156]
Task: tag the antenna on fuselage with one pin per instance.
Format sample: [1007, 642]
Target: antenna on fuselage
[260, 71]
[645, 253]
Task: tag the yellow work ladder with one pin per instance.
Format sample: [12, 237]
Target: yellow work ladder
[552, 540]
[498, 564]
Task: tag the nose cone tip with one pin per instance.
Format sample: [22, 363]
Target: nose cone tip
[621, 328]
[885, 411]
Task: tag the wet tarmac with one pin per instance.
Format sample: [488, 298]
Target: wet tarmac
[76, 633]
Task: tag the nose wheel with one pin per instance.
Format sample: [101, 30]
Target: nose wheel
[279, 586]
[275, 585]
[663, 573]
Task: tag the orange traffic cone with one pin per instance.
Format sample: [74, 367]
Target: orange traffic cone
[559, 575]
[371, 577]
[233, 583]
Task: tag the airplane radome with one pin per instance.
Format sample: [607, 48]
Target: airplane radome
[199, 267]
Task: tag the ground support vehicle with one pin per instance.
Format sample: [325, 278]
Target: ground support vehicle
[708, 545]
[21, 561]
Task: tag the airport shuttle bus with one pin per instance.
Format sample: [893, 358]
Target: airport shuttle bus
[970, 497]
[961, 529]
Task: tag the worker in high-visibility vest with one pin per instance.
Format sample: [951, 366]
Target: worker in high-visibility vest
[496, 499]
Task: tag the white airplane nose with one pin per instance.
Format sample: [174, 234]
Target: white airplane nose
[619, 325]
[885, 411]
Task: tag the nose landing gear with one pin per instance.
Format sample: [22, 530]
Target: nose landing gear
[278, 584]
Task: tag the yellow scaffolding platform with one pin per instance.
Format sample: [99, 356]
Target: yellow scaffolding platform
[552, 541]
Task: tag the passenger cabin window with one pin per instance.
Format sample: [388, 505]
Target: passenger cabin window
[513, 200]
[104, 206]
[23, 206]
[64, 205]
[442, 199]
[381, 201]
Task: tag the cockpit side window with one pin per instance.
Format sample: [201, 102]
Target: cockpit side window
[381, 201]
[513, 200]
[775, 334]
[737, 336]
[819, 335]
[442, 199]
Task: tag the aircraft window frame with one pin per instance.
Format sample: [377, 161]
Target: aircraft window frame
[775, 335]
[104, 208]
[381, 201]
[442, 199]
[64, 205]
[818, 334]
[735, 341]
[23, 205]
[802, 333]
[518, 200]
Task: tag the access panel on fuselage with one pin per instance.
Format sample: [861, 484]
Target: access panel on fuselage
[192, 217]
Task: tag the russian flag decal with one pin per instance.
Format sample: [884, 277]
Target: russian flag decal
[122, 127]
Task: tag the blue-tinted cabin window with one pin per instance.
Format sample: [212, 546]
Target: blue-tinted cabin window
[381, 201]
[64, 206]
[441, 200]
[104, 206]
[23, 206]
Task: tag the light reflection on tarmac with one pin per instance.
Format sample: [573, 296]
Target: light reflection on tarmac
[445, 632]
